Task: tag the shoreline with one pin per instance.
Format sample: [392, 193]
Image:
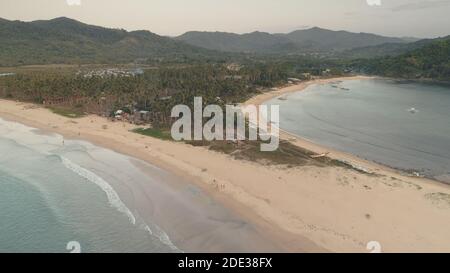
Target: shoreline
[303, 209]
[354, 160]
[271, 238]
[261, 98]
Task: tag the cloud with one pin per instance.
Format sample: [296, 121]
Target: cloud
[419, 5]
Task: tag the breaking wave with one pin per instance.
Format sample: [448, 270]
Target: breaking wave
[113, 198]
[115, 201]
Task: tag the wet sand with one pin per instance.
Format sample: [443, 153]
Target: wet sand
[194, 220]
[301, 209]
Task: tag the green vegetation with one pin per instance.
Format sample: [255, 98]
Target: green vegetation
[431, 61]
[101, 71]
[384, 50]
[288, 154]
[92, 90]
[66, 41]
[297, 42]
[67, 112]
[163, 134]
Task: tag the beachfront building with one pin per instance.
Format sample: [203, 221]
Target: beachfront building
[141, 117]
[306, 76]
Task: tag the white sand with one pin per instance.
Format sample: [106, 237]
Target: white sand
[336, 209]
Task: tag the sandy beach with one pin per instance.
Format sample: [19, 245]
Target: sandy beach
[301, 209]
[260, 99]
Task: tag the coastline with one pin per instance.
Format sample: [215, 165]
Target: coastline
[304, 209]
[227, 226]
[357, 162]
[261, 98]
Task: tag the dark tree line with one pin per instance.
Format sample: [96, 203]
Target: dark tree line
[156, 90]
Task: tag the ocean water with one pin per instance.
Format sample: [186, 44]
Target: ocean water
[53, 193]
[56, 194]
[404, 125]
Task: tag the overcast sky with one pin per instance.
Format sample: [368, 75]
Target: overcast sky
[419, 18]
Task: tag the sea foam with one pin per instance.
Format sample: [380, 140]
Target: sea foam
[115, 201]
[47, 144]
[113, 198]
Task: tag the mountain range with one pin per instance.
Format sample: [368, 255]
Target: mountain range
[300, 41]
[64, 40]
[388, 49]
[429, 60]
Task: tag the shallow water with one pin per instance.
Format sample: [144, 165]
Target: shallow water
[53, 193]
[404, 125]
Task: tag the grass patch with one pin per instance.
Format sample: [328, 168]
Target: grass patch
[287, 154]
[163, 134]
[67, 112]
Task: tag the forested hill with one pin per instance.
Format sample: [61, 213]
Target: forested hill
[63, 40]
[431, 61]
[300, 41]
[389, 49]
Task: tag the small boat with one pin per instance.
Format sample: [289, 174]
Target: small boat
[413, 110]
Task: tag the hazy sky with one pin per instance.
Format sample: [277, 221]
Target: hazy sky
[420, 18]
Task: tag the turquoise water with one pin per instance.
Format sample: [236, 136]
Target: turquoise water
[404, 125]
[52, 194]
